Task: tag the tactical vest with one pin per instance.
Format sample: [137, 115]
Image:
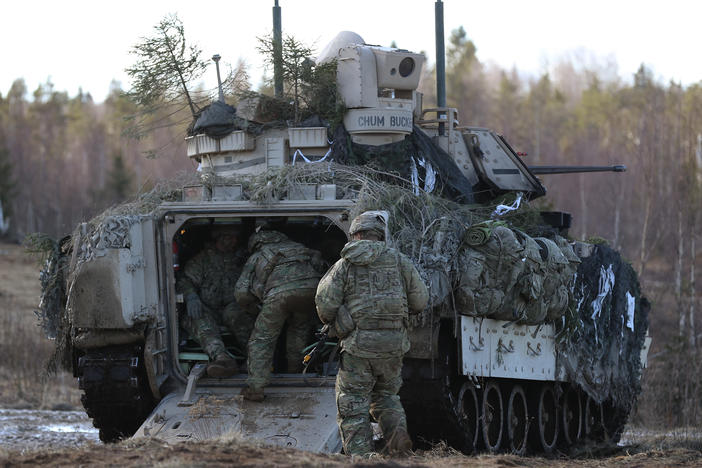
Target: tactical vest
[376, 297]
[280, 264]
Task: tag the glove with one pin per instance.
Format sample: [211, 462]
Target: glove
[193, 306]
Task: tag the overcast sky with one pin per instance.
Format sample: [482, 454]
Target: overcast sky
[77, 43]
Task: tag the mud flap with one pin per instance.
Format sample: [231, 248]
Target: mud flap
[299, 417]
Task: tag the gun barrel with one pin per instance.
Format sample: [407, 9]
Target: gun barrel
[575, 169]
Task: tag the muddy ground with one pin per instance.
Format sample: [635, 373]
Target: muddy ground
[67, 438]
[26, 430]
[237, 453]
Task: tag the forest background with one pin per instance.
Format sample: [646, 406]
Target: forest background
[65, 158]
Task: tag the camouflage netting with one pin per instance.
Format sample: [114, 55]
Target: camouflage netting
[415, 159]
[606, 329]
[427, 227]
[52, 277]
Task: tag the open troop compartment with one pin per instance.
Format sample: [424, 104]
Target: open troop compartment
[190, 234]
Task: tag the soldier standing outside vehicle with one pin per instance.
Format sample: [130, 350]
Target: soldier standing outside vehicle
[207, 285]
[281, 276]
[367, 296]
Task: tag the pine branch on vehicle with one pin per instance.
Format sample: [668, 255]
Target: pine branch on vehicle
[166, 66]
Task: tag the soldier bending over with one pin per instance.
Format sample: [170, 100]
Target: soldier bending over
[207, 286]
[367, 295]
[282, 275]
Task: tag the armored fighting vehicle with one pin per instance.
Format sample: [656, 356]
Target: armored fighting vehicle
[530, 342]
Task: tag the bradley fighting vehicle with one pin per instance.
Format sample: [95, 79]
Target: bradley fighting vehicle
[531, 342]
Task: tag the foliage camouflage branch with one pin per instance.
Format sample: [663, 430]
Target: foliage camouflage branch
[296, 65]
[166, 66]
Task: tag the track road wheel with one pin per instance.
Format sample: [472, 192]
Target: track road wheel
[517, 420]
[594, 421]
[493, 416]
[469, 415]
[613, 420]
[571, 416]
[546, 419]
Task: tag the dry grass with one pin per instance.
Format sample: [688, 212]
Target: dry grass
[689, 438]
[25, 351]
[232, 451]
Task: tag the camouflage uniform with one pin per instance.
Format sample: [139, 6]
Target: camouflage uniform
[281, 275]
[212, 275]
[378, 286]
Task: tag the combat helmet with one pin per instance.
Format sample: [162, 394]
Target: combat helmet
[373, 221]
[224, 230]
[265, 237]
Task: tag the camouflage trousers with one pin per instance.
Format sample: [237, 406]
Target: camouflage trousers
[298, 310]
[368, 386]
[206, 329]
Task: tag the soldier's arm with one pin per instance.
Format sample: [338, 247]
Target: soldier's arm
[192, 276]
[330, 292]
[242, 290]
[417, 293]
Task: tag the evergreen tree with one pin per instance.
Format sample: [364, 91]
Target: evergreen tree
[7, 186]
[509, 103]
[119, 180]
[164, 76]
[547, 117]
[296, 65]
[166, 66]
[237, 82]
[465, 81]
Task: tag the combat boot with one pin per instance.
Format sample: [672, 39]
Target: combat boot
[252, 393]
[222, 367]
[400, 443]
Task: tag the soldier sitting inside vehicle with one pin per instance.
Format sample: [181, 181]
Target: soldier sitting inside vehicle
[282, 276]
[207, 285]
